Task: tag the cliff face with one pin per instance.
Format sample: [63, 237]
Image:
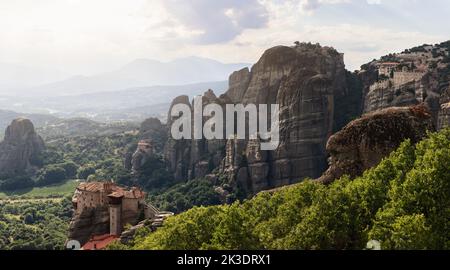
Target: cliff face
[421, 74]
[20, 146]
[91, 221]
[363, 143]
[305, 81]
[152, 138]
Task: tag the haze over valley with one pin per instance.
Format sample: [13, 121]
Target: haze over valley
[140, 89]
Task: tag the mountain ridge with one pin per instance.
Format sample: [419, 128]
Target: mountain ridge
[141, 73]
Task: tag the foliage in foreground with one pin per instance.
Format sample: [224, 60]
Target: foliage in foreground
[404, 203]
[34, 224]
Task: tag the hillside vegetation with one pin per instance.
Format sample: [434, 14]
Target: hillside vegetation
[404, 203]
[34, 224]
[54, 191]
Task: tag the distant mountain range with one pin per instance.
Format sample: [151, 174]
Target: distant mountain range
[134, 104]
[134, 92]
[49, 126]
[14, 76]
[140, 73]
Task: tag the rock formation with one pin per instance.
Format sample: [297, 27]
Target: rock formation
[143, 152]
[152, 129]
[305, 80]
[317, 98]
[21, 146]
[92, 221]
[152, 138]
[363, 143]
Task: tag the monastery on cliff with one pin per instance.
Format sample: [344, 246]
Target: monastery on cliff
[126, 206]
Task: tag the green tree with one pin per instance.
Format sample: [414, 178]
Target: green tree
[403, 203]
[51, 174]
[86, 171]
[71, 169]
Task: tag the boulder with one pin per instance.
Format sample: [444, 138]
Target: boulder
[363, 143]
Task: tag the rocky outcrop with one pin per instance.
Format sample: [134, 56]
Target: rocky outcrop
[142, 154]
[152, 138]
[238, 84]
[385, 94]
[20, 148]
[176, 152]
[304, 80]
[91, 221]
[151, 224]
[189, 159]
[152, 129]
[363, 143]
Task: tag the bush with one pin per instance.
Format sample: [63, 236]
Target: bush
[183, 196]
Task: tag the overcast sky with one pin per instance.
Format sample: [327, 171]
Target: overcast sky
[91, 36]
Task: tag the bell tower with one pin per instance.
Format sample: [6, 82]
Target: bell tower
[115, 214]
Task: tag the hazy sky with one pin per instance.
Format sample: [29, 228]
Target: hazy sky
[90, 36]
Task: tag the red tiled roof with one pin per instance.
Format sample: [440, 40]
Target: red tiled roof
[99, 242]
[116, 191]
[94, 186]
[117, 194]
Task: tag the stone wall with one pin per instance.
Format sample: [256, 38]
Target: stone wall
[401, 77]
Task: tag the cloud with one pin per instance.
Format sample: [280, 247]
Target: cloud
[374, 2]
[87, 37]
[310, 5]
[218, 21]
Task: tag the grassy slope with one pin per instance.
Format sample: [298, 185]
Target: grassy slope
[60, 190]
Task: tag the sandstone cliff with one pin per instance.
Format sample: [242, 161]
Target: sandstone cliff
[20, 147]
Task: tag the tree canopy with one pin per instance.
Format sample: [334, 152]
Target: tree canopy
[403, 203]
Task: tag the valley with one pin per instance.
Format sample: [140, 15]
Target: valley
[363, 155]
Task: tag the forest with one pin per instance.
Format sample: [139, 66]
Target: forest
[39, 224]
[402, 203]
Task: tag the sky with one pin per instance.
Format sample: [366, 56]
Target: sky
[93, 36]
